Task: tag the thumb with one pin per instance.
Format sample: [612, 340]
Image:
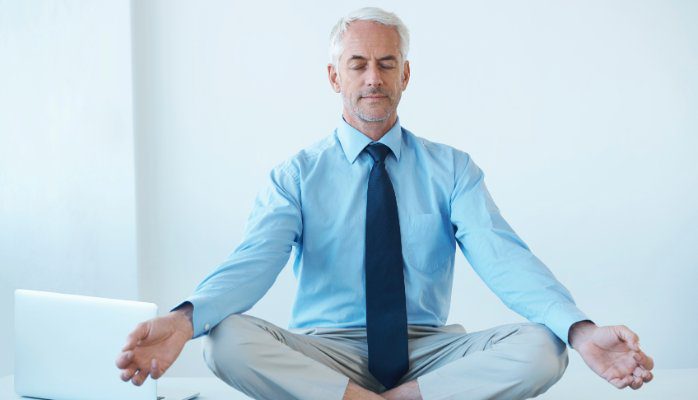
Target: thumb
[134, 338]
[625, 334]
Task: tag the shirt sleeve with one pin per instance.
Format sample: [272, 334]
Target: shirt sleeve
[272, 229]
[502, 260]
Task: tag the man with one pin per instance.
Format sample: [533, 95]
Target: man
[375, 213]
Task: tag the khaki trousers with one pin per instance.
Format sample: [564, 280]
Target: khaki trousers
[264, 361]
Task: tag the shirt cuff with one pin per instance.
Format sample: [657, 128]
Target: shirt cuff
[204, 315]
[561, 316]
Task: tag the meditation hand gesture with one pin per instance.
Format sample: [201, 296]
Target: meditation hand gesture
[613, 352]
[153, 346]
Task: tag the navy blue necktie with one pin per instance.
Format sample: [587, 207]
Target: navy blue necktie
[386, 313]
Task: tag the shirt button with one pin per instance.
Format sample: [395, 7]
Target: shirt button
[207, 326]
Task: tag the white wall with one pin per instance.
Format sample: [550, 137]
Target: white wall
[67, 209]
[583, 115]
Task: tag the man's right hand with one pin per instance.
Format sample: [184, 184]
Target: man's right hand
[154, 345]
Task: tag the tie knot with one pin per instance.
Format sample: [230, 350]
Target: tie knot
[378, 151]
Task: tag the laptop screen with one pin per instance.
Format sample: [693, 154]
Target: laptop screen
[66, 346]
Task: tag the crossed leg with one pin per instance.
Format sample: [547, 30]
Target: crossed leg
[514, 361]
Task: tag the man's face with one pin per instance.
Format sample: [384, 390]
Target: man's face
[372, 74]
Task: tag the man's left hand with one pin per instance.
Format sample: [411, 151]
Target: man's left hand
[613, 352]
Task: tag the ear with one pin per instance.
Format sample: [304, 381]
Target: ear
[405, 74]
[333, 76]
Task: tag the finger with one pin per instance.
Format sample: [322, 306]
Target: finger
[642, 373]
[618, 372]
[628, 336]
[620, 383]
[138, 334]
[647, 376]
[140, 377]
[623, 366]
[127, 374]
[124, 359]
[636, 383]
[646, 361]
[155, 371]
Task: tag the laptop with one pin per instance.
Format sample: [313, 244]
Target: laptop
[66, 347]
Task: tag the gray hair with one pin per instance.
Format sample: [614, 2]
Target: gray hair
[374, 14]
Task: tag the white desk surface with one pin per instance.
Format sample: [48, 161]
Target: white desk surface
[578, 383]
[210, 388]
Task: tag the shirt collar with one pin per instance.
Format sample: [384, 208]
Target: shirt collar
[353, 141]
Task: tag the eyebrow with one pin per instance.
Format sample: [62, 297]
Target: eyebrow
[362, 58]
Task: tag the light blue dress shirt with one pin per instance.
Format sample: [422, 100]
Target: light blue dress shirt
[315, 202]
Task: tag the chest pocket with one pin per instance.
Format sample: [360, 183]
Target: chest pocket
[426, 244]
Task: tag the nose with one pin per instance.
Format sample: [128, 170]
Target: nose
[373, 76]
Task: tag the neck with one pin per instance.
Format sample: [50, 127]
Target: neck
[374, 130]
